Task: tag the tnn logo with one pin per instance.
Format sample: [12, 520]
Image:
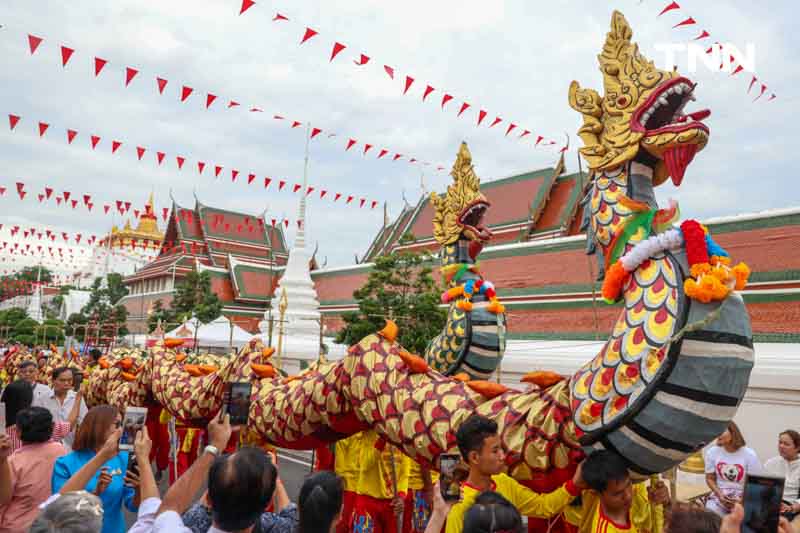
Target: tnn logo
[720, 57]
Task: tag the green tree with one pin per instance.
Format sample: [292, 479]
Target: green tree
[165, 314]
[399, 286]
[31, 273]
[75, 326]
[25, 331]
[50, 332]
[194, 296]
[101, 311]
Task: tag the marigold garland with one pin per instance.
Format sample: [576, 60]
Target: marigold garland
[712, 277]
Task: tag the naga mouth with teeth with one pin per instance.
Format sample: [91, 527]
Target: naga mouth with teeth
[670, 134]
[471, 221]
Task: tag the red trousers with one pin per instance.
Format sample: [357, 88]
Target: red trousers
[416, 512]
[373, 515]
[159, 434]
[185, 459]
[345, 524]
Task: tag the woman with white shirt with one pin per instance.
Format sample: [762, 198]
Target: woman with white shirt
[787, 466]
[727, 465]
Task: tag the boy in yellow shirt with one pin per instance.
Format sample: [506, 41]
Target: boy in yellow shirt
[345, 458]
[614, 504]
[379, 502]
[480, 448]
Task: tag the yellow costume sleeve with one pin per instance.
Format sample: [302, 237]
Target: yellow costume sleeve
[531, 503]
[642, 511]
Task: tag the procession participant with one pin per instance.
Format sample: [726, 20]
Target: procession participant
[417, 505]
[157, 428]
[346, 456]
[382, 484]
[481, 449]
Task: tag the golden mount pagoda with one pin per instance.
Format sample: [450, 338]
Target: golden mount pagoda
[145, 236]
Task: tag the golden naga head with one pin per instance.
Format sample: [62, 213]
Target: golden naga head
[641, 114]
[460, 211]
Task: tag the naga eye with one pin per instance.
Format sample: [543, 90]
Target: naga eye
[622, 101]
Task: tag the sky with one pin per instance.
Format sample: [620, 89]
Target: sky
[514, 59]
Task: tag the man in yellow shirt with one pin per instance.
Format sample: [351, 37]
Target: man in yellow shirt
[382, 485]
[346, 455]
[614, 504]
[481, 449]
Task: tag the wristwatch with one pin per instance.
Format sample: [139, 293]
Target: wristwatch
[213, 450]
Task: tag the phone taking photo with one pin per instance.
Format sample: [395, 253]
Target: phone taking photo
[236, 402]
[77, 379]
[448, 479]
[133, 465]
[762, 504]
[132, 423]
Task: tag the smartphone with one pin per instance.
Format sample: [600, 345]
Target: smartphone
[762, 504]
[448, 480]
[133, 464]
[132, 422]
[2, 417]
[236, 402]
[77, 379]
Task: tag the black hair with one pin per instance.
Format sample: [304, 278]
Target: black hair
[601, 467]
[492, 512]
[26, 363]
[95, 354]
[320, 502]
[60, 370]
[17, 396]
[472, 432]
[35, 425]
[240, 486]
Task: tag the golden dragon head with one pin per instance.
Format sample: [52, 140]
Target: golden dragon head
[460, 211]
[641, 114]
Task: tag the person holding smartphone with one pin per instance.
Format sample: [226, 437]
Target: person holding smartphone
[787, 466]
[727, 465]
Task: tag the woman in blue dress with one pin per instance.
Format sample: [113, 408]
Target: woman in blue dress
[99, 467]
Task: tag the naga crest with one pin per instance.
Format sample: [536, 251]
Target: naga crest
[461, 210]
[642, 108]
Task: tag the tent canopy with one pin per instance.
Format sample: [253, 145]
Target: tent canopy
[216, 333]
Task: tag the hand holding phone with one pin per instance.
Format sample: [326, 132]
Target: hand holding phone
[762, 504]
[236, 402]
[132, 423]
[449, 479]
[77, 379]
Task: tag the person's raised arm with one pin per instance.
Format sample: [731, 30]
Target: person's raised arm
[82, 477]
[439, 513]
[281, 497]
[147, 482]
[72, 417]
[180, 495]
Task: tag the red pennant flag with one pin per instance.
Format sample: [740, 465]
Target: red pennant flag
[164, 213]
[86, 198]
[185, 92]
[397, 156]
[737, 70]
[13, 120]
[383, 153]
[308, 35]
[276, 18]
[74, 204]
[48, 192]
[162, 83]
[409, 82]
[246, 4]
[412, 160]
[43, 128]
[299, 223]
[497, 120]
[58, 200]
[763, 90]
[309, 190]
[90, 206]
[315, 132]
[361, 203]
[140, 152]
[130, 73]
[217, 170]
[285, 223]
[295, 124]
[2, 191]
[702, 35]
[160, 157]
[363, 60]
[66, 53]
[98, 65]
[374, 203]
[510, 128]
[538, 140]
[446, 98]
[524, 133]
[115, 145]
[337, 47]
[234, 173]
[350, 144]
[670, 7]
[127, 206]
[67, 195]
[296, 187]
[250, 178]
[267, 181]
[95, 140]
[322, 193]
[771, 98]
[41, 197]
[34, 42]
[106, 207]
[481, 116]
[136, 213]
[210, 99]
[281, 184]
[752, 82]
[200, 167]
[366, 148]
[71, 136]
[232, 103]
[273, 222]
[349, 199]
[389, 70]
[428, 90]
[180, 161]
[464, 107]
[688, 22]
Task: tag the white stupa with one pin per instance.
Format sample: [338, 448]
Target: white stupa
[34, 309]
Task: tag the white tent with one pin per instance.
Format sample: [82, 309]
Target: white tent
[215, 334]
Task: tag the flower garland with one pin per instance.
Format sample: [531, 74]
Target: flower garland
[465, 291]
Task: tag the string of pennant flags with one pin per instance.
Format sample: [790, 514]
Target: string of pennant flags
[691, 22]
[188, 93]
[425, 90]
[180, 161]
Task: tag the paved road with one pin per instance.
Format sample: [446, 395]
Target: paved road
[293, 468]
